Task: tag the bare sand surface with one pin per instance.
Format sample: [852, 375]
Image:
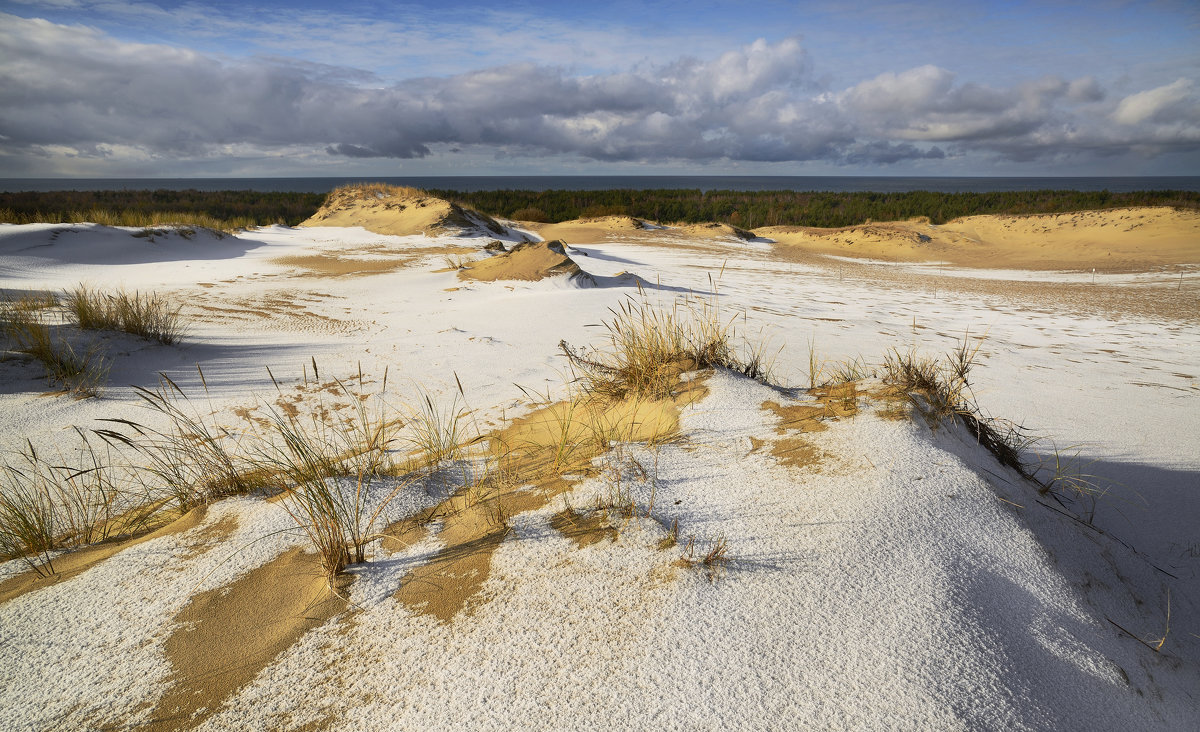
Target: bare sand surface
[1117, 240]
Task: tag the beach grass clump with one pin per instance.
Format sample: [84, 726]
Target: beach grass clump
[941, 389]
[28, 522]
[650, 346]
[149, 220]
[308, 452]
[53, 501]
[439, 433]
[22, 321]
[338, 471]
[149, 315]
[376, 190]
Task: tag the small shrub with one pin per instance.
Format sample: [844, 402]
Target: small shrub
[530, 213]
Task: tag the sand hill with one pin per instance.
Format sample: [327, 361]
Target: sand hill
[400, 211]
[527, 261]
[1132, 239]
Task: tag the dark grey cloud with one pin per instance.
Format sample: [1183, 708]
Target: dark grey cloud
[69, 90]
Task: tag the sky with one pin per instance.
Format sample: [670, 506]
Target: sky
[265, 88]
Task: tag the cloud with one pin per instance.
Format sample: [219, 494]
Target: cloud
[73, 90]
[1165, 103]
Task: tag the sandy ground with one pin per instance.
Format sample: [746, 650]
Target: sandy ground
[1120, 240]
[876, 571]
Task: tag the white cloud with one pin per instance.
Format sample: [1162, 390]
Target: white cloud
[1175, 100]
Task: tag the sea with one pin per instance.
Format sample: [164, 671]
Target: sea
[841, 184]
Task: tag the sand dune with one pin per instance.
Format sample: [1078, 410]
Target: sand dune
[1119, 240]
[529, 261]
[715, 231]
[588, 231]
[402, 212]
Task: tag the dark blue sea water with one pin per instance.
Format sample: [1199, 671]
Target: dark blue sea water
[587, 182]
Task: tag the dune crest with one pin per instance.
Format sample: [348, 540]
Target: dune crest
[401, 211]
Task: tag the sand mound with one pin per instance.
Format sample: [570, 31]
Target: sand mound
[401, 212]
[527, 261]
[716, 231]
[1131, 239]
[586, 231]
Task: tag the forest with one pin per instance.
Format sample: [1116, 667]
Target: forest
[750, 209]
[215, 209]
[745, 209]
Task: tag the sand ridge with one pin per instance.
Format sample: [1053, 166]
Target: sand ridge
[1117, 240]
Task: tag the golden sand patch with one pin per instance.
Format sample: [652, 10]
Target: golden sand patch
[1117, 240]
[797, 417]
[788, 447]
[529, 459]
[66, 566]
[227, 635]
[528, 261]
[589, 231]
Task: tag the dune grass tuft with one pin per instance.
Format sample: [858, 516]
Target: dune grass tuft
[57, 501]
[22, 321]
[149, 315]
[941, 389]
[28, 525]
[650, 346]
[192, 459]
